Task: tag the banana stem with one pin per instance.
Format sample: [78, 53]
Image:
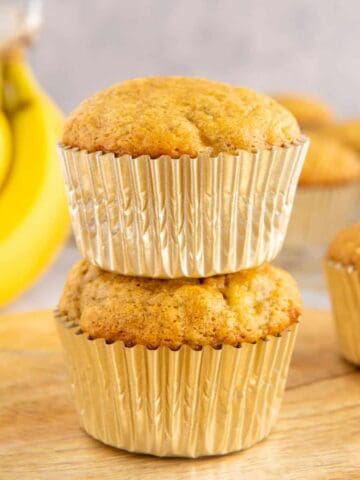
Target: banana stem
[19, 85]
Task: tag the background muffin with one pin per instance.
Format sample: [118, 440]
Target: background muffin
[345, 247]
[342, 267]
[189, 173]
[329, 162]
[347, 131]
[154, 363]
[310, 112]
[327, 194]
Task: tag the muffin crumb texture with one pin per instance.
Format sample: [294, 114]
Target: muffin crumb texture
[345, 247]
[179, 116]
[227, 309]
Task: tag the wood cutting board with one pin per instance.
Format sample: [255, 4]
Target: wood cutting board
[316, 437]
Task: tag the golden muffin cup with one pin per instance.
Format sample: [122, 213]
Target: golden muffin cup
[343, 279]
[327, 195]
[171, 399]
[202, 187]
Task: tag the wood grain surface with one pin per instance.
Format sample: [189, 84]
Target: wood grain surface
[316, 437]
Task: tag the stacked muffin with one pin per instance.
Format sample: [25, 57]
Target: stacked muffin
[177, 332]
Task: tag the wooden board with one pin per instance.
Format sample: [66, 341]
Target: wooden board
[317, 436]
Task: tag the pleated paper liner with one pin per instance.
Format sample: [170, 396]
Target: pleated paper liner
[319, 212]
[193, 217]
[186, 403]
[344, 288]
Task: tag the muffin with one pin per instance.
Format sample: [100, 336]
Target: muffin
[342, 268]
[310, 112]
[178, 367]
[348, 132]
[172, 176]
[327, 194]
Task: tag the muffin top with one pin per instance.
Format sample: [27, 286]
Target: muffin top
[179, 116]
[348, 132]
[227, 309]
[329, 162]
[345, 247]
[309, 111]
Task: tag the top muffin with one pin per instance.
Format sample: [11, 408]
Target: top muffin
[309, 112]
[179, 116]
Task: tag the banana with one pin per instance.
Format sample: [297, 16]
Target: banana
[5, 148]
[34, 220]
[5, 139]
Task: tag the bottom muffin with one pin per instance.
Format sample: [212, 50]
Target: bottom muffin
[185, 367]
[342, 268]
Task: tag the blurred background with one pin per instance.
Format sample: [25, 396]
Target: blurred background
[299, 45]
[302, 46]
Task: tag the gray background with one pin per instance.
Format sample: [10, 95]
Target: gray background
[303, 45]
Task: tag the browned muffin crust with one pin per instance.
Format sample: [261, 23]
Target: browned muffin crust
[329, 162]
[310, 112]
[179, 116]
[227, 309]
[345, 247]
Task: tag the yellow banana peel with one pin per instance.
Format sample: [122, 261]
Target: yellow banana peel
[5, 148]
[34, 220]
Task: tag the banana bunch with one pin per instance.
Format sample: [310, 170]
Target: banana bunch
[34, 220]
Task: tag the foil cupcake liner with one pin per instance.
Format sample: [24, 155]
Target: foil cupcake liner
[319, 212]
[192, 217]
[186, 403]
[344, 288]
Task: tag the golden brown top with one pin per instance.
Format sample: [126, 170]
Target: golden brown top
[229, 309]
[179, 115]
[348, 132]
[329, 161]
[309, 111]
[345, 247]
